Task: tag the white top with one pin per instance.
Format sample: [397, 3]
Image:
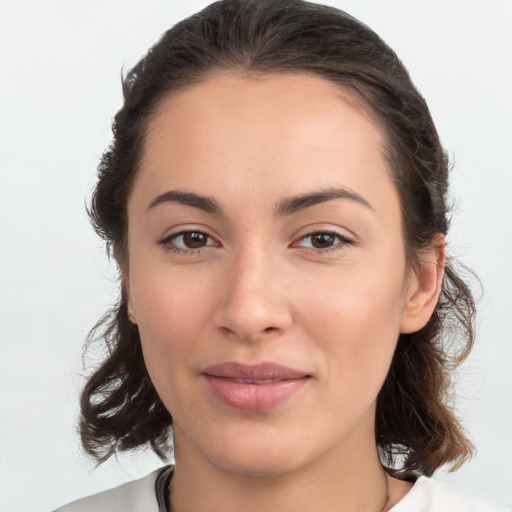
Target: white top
[148, 495]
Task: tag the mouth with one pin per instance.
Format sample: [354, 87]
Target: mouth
[254, 388]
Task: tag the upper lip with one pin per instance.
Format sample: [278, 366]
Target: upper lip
[258, 372]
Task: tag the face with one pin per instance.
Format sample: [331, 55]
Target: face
[266, 272]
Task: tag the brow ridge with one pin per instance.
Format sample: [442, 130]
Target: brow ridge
[285, 207]
[304, 201]
[207, 204]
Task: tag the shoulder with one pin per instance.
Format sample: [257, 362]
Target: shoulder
[136, 496]
[429, 495]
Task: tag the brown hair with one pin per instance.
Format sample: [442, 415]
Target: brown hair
[415, 426]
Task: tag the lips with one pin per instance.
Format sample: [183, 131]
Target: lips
[254, 388]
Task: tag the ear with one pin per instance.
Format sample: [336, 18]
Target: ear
[129, 302]
[424, 287]
[125, 283]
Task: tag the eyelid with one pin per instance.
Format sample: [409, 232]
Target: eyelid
[167, 240]
[343, 238]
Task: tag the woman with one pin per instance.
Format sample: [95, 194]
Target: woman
[275, 197]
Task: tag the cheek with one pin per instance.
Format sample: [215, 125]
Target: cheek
[172, 314]
[356, 324]
[169, 301]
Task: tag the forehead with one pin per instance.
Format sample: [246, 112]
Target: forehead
[303, 101]
[271, 135]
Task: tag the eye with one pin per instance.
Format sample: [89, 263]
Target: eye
[323, 240]
[187, 241]
[190, 240]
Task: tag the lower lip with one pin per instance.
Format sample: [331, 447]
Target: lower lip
[254, 397]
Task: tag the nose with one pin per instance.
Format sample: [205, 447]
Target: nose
[253, 299]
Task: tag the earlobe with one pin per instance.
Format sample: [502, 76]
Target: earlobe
[119, 255]
[129, 303]
[424, 287]
[131, 313]
[127, 297]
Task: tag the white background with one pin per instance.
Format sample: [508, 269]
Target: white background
[60, 65]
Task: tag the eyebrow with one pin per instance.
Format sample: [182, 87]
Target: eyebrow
[286, 207]
[302, 202]
[207, 204]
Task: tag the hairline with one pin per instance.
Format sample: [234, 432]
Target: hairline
[346, 93]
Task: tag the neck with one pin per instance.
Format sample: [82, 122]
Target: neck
[343, 479]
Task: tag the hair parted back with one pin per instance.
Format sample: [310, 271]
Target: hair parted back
[415, 426]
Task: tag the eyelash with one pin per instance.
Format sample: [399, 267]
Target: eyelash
[168, 242]
[342, 241]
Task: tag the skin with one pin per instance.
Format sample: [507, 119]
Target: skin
[258, 290]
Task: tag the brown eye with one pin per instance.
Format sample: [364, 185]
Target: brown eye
[322, 240]
[194, 239]
[187, 241]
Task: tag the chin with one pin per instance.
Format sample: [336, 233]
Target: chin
[249, 450]
[256, 465]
